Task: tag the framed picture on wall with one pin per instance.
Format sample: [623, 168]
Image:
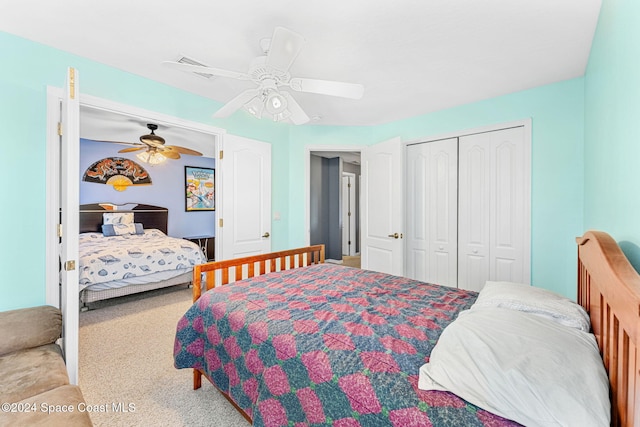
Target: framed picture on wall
[199, 189]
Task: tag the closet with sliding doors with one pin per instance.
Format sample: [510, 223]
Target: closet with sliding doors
[468, 208]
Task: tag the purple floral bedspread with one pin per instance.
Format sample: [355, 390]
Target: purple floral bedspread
[327, 345]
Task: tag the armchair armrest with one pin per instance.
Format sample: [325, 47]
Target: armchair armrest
[29, 327]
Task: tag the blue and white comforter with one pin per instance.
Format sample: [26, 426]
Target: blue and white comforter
[105, 259]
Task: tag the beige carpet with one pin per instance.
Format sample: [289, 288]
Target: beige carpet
[126, 361]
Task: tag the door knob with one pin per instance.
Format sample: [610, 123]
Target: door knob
[394, 235]
[266, 235]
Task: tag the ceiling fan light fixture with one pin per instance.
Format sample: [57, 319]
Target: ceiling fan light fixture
[155, 150]
[151, 157]
[270, 72]
[275, 103]
[255, 107]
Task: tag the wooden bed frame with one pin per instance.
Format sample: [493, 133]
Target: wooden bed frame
[225, 272]
[608, 288]
[252, 266]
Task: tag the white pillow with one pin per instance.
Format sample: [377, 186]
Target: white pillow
[117, 218]
[522, 367]
[541, 302]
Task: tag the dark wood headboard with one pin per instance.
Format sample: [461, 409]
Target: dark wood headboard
[148, 215]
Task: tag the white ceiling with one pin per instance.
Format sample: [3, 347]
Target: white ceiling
[412, 56]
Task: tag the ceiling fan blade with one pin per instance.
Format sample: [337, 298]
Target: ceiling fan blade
[284, 48]
[183, 150]
[298, 116]
[236, 103]
[169, 153]
[218, 72]
[132, 149]
[327, 87]
[121, 142]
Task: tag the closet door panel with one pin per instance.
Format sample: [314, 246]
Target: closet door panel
[417, 161]
[468, 209]
[473, 271]
[417, 260]
[443, 212]
[507, 237]
[474, 200]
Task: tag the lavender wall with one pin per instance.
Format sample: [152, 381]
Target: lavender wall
[167, 188]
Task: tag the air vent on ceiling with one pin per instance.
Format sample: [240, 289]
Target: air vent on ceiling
[187, 60]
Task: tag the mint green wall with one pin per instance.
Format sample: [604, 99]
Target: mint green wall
[612, 137]
[27, 69]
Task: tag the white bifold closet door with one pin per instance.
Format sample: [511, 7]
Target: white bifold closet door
[432, 212]
[467, 217]
[492, 221]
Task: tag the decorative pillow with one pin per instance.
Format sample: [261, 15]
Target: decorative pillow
[541, 302]
[109, 230]
[117, 218]
[522, 367]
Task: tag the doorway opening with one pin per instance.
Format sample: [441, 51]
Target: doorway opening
[334, 203]
[104, 119]
[57, 199]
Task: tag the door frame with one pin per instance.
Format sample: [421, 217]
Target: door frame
[52, 199]
[54, 94]
[346, 204]
[307, 176]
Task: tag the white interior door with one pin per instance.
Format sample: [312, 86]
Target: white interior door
[507, 226]
[432, 212]
[245, 172]
[418, 195]
[348, 214]
[69, 205]
[443, 213]
[474, 210]
[382, 208]
[494, 196]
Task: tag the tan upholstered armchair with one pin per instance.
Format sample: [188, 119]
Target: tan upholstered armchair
[33, 375]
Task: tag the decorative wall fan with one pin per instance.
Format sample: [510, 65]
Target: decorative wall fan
[271, 73]
[155, 149]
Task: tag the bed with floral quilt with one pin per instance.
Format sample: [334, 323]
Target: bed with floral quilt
[324, 344]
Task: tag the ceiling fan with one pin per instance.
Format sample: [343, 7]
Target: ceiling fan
[155, 149]
[271, 73]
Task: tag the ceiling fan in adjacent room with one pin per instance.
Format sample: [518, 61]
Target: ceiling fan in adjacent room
[155, 150]
[271, 73]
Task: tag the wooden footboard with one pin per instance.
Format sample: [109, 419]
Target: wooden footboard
[220, 273]
[609, 289]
